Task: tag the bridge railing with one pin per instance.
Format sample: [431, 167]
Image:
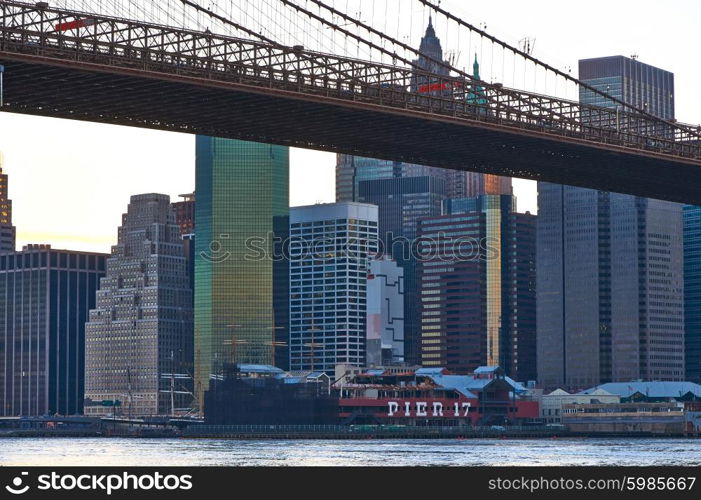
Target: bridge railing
[114, 44]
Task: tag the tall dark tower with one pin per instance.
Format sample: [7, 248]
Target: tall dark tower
[610, 270]
[7, 230]
[430, 51]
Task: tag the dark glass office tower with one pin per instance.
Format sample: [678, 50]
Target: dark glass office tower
[351, 170]
[241, 188]
[7, 230]
[610, 271]
[45, 296]
[610, 288]
[629, 80]
[402, 203]
[692, 291]
[477, 287]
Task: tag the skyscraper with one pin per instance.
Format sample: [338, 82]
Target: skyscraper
[185, 218]
[692, 291]
[185, 213]
[430, 55]
[629, 80]
[7, 230]
[610, 291]
[402, 203]
[330, 248]
[477, 287]
[352, 170]
[139, 336]
[610, 288]
[242, 189]
[45, 296]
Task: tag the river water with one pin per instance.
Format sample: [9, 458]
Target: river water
[468, 452]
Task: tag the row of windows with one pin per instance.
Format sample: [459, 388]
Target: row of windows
[32, 259]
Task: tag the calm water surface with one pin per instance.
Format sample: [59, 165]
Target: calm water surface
[468, 452]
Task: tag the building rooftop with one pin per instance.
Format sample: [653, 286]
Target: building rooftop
[653, 389]
[250, 368]
[431, 371]
[487, 369]
[306, 374]
[470, 383]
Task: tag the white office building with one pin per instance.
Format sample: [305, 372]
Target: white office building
[330, 246]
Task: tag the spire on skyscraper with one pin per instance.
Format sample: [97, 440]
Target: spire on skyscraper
[476, 96]
[431, 47]
[430, 32]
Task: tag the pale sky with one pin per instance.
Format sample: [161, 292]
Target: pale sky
[70, 181]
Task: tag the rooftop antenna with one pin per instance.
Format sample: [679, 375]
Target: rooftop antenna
[634, 57]
[452, 57]
[527, 45]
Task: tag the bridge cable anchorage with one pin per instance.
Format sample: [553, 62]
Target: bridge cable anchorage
[437, 8]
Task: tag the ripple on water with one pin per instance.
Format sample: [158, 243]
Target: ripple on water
[467, 452]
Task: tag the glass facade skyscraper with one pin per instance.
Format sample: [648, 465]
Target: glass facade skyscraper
[385, 313]
[45, 296]
[692, 291]
[351, 170]
[610, 271]
[610, 288]
[477, 287]
[402, 203]
[242, 187]
[629, 80]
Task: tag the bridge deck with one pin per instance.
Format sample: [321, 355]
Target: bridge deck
[127, 73]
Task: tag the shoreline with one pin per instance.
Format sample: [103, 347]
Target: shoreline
[234, 436]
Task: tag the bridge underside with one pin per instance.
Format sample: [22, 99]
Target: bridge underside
[132, 97]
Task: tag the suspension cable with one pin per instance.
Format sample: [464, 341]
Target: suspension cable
[537, 62]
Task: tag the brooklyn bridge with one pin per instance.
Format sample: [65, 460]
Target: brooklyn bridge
[354, 87]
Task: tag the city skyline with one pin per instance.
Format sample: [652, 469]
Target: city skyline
[90, 154]
[237, 300]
